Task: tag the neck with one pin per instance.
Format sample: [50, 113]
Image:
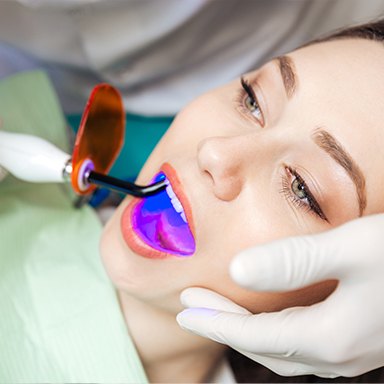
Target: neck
[168, 353]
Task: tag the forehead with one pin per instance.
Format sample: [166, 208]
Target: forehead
[341, 83]
[343, 71]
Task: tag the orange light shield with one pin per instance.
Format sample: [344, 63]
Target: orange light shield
[100, 136]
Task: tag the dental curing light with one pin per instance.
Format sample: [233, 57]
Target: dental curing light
[97, 145]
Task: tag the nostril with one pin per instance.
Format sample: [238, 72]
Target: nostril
[209, 176]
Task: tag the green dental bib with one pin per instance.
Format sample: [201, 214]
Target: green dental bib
[60, 318]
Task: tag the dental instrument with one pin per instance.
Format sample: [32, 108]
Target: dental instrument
[97, 145]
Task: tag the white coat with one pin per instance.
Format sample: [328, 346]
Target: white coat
[159, 53]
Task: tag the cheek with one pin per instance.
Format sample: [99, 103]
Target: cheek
[202, 118]
[236, 231]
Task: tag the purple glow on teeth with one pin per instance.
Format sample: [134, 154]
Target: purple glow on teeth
[161, 223]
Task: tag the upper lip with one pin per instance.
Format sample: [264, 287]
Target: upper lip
[172, 176]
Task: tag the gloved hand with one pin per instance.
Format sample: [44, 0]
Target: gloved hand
[341, 336]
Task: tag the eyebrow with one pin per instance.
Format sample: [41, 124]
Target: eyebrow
[331, 146]
[288, 74]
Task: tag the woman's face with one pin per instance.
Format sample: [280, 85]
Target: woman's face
[295, 149]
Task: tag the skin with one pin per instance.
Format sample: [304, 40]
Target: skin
[231, 166]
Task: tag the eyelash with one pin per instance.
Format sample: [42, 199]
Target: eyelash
[311, 205]
[247, 93]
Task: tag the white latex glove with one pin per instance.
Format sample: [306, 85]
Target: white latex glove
[341, 336]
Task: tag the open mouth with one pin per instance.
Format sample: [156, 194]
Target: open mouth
[161, 222]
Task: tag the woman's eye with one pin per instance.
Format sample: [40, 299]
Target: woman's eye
[298, 189]
[253, 107]
[297, 192]
[249, 103]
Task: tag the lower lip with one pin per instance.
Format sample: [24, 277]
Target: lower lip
[133, 239]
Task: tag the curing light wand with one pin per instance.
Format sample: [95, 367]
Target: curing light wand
[125, 186]
[33, 159]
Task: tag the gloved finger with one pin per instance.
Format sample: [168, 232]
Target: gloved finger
[279, 333]
[290, 263]
[295, 262]
[205, 298]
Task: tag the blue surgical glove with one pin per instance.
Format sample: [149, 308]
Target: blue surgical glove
[341, 336]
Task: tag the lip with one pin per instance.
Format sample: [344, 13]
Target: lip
[132, 239]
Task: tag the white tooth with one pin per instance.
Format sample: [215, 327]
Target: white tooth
[175, 202]
[177, 205]
[170, 192]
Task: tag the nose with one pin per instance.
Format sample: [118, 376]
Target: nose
[223, 160]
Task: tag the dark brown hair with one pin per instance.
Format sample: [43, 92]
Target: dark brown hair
[371, 31]
[246, 370]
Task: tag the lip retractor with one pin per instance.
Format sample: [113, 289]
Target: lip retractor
[97, 145]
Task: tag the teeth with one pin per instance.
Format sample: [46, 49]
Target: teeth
[176, 202]
[177, 205]
[170, 192]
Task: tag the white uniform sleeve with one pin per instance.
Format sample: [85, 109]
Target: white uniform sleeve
[163, 53]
